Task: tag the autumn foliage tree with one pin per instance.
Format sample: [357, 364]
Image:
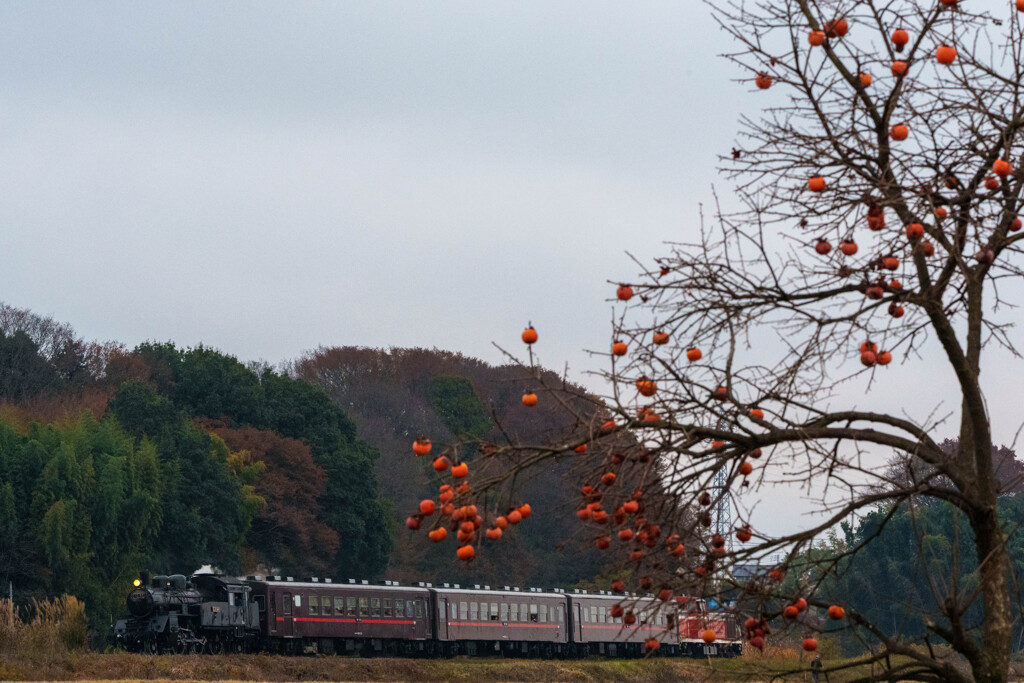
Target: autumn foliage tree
[879, 193]
[286, 533]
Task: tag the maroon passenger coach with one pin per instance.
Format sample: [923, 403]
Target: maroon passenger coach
[509, 621]
[322, 616]
[597, 632]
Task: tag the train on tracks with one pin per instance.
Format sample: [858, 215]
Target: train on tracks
[208, 613]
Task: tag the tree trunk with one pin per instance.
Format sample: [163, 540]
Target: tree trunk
[990, 545]
[993, 568]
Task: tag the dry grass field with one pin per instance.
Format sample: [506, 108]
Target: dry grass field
[88, 666]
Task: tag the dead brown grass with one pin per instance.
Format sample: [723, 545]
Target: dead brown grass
[45, 627]
[133, 667]
[128, 667]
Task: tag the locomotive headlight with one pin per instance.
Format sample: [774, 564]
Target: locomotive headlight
[137, 582]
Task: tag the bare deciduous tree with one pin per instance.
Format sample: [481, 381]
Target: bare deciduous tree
[879, 192]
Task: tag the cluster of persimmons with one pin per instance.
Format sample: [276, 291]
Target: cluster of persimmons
[945, 55]
[465, 520]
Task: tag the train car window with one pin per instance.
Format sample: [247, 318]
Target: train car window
[261, 602]
[463, 611]
[474, 611]
[350, 606]
[593, 614]
[419, 609]
[387, 607]
[286, 599]
[400, 608]
[513, 613]
[524, 613]
[504, 612]
[273, 607]
[339, 607]
[314, 606]
[364, 607]
[670, 620]
[561, 614]
[408, 608]
[374, 607]
[533, 613]
[494, 611]
[602, 615]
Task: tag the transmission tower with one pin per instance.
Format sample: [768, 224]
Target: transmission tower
[723, 510]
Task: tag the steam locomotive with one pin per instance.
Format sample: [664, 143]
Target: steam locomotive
[203, 613]
[214, 613]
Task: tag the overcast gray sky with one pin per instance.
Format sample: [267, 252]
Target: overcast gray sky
[266, 178]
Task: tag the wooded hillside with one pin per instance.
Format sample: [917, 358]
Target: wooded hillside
[167, 459]
[397, 395]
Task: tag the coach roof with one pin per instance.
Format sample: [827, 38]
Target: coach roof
[489, 591]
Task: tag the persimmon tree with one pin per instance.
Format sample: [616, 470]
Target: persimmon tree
[878, 192]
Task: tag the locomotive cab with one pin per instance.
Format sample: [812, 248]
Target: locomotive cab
[228, 616]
